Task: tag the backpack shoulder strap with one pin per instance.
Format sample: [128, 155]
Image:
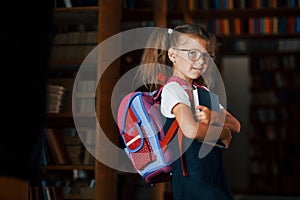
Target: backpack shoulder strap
[169, 135]
[200, 86]
[158, 93]
[174, 127]
[183, 166]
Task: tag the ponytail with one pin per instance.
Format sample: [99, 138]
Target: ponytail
[153, 73]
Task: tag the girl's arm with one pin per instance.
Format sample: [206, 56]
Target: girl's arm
[223, 118]
[231, 122]
[198, 130]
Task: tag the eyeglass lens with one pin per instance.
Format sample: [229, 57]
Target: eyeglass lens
[195, 55]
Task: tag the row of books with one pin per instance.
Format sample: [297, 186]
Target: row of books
[214, 4]
[273, 167]
[74, 45]
[269, 167]
[64, 147]
[70, 189]
[253, 46]
[261, 115]
[255, 25]
[275, 134]
[260, 185]
[275, 81]
[268, 133]
[75, 37]
[240, 4]
[265, 98]
[86, 86]
[85, 105]
[127, 25]
[275, 63]
[272, 154]
[82, 27]
[59, 95]
[71, 53]
[45, 193]
[286, 45]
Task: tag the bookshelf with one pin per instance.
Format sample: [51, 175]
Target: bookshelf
[69, 168]
[274, 108]
[273, 71]
[81, 28]
[239, 18]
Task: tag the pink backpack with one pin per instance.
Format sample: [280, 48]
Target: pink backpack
[146, 142]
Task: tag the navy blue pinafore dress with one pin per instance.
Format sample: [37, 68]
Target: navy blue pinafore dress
[206, 176]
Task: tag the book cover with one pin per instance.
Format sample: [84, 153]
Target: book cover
[206, 98]
[210, 100]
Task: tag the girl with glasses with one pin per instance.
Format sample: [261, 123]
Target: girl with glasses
[189, 50]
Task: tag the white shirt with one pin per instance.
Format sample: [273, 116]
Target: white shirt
[172, 94]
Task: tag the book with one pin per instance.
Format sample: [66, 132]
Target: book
[204, 97]
[55, 98]
[57, 147]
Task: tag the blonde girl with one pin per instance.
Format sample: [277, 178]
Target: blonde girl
[188, 49]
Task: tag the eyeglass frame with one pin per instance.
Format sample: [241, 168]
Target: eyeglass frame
[204, 55]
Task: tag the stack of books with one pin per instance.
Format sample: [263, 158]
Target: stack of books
[55, 98]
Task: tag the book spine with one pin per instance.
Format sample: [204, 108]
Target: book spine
[57, 147]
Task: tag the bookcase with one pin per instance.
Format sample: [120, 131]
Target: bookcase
[69, 169]
[275, 104]
[263, 30]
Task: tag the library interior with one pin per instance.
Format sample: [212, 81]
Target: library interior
[53, 126]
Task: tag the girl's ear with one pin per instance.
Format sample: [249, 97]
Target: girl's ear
[171, 54]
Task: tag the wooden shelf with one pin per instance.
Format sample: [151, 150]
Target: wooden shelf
[68, 167]
[64, 63]
[76, 15]
[77, 9]
[88, 26]
[59, 120]
[79, 197]
[145, 14]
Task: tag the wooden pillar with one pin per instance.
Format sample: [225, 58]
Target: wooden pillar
[108, 25]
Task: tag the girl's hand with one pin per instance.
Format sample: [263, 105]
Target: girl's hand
[208, 116]
[226, 137]
[203, 114]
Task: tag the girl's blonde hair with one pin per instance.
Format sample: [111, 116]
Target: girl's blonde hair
[154, 73]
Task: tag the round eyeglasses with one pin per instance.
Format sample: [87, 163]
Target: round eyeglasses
[194, 55]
